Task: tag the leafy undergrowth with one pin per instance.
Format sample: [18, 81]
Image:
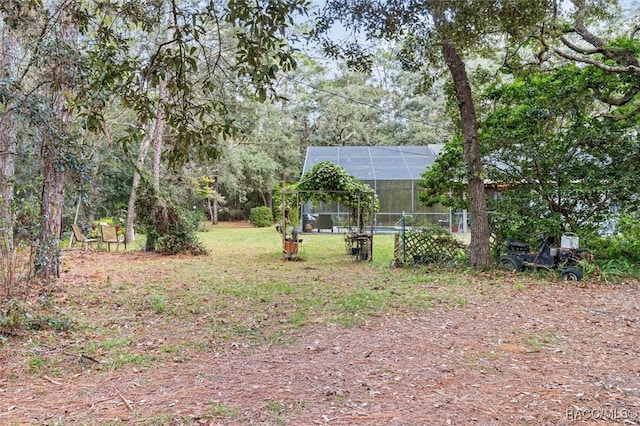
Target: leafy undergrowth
[242, 336]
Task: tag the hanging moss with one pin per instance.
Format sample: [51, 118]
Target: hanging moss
[168, 230]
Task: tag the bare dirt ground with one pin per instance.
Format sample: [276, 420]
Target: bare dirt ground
[556, 354]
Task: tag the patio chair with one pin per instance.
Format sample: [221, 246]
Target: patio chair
[79, 237]
[110, 236]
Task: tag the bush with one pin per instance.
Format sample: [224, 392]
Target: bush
[624, 244]
[180, 241]
[42, 315]
[261, 217]
[224, 214]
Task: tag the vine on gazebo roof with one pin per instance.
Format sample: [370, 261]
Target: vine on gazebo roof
[326, 181]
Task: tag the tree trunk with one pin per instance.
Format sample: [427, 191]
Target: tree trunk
[53, 175]
[131, 205]
[263, 195]
[158, 133]
[7, 144]
[479, 250]
[210, 209]
[63, 75]
[214, 216]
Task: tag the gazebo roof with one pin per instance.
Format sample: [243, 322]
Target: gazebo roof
[405, 162]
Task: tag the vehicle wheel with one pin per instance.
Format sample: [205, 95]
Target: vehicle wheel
[571, 274]
[510, 263]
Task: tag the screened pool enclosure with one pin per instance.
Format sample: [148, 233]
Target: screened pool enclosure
[393, 172]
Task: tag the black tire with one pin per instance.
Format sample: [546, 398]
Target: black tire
[510, 263]
[571, 274]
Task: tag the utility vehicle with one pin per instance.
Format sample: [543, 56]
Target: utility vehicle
[548, 256]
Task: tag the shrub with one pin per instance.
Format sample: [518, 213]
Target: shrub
[224, 214]
[177, 242]
[42, 315]
[623, 244]
[261, 217]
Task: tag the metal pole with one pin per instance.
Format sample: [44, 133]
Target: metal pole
[283, 224]
[404, 243]
[373, 208]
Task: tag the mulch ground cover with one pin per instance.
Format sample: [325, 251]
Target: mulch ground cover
[554, 354]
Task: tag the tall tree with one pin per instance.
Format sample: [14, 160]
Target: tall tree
[61, 76]
[443, 30]
[255, 160]
[347, 110]
[549, 147]
[8, 74]
[341, 107]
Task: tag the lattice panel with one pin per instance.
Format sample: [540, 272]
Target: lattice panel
[424, 246]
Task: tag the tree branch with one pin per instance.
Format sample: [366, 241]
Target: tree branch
[629, 69]
[577, 48]
[621, 117]
[581, 29]
[614, 101]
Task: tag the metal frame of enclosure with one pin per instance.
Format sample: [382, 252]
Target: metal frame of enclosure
[393, 172]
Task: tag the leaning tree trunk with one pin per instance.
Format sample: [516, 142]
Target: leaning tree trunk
[479, 250]
[210, 209]
[131, 206]
[156, 136]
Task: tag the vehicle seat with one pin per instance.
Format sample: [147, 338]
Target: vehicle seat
[517, 245]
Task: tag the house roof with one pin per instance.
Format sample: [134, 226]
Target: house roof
[405, 162]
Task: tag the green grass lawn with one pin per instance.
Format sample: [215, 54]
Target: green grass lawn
[129, 321]
[243, 292]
